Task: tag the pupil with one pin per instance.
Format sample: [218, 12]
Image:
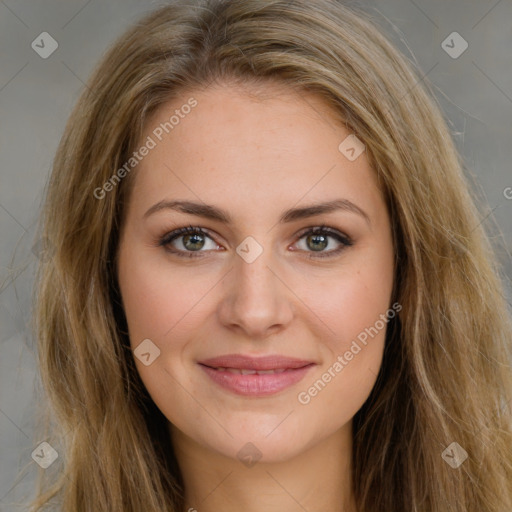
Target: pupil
[323, 243]
[186, 238]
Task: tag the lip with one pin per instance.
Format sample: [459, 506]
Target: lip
[226, 372]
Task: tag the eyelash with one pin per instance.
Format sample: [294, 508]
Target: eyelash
[166, 240]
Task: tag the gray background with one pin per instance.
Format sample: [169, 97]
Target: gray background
[36, 97]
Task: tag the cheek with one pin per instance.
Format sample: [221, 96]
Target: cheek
[353, 300]
[162, 306]
[340, 388]
[352, 356]
[157, 301]
[353, 307]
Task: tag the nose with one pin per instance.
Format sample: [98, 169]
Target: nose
[256, 301]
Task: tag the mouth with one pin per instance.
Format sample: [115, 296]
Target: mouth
[247, 371]
[258, 377]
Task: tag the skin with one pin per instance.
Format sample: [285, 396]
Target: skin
[255, 158]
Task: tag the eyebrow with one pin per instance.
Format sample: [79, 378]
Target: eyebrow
[212, 212]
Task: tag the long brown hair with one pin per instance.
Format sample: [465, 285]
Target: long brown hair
[445, 377]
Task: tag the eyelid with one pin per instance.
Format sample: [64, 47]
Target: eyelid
[322, 228]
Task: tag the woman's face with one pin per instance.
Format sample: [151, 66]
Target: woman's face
[255, 291]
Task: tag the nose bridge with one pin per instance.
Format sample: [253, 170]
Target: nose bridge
[252, 274]
[255, 299]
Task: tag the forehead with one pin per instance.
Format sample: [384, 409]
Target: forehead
[249, 147]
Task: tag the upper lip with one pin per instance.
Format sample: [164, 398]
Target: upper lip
[271, 362]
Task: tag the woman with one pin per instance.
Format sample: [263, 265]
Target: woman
[270, 288]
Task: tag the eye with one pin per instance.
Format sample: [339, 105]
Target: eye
[193, 239]
[189, 241]
[317, 239]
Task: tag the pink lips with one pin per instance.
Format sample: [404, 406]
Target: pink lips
[255, 376]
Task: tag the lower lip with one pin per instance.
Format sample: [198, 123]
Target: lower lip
[257, 385]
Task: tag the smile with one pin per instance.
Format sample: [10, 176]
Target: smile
[257, 377]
